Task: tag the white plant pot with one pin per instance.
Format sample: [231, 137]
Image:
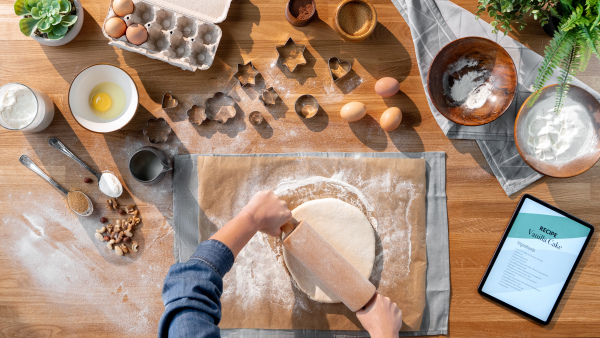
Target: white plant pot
[71, 34]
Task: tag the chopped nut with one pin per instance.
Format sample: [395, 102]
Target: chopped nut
[101, 230]
[109, 205]
[137, 221]
[128, 233]
[99, 237]
[115, 204]
[118, 251]
[119, 237]
[124, 248]
[106, 238]
[134, 247]
[135, 213]
[110, 244]
[118, 223]
[121, 212]
[103, 219]
[109, 227]
[126, 239]
[87, 180]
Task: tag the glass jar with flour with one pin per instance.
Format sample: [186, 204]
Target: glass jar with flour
[24, 109]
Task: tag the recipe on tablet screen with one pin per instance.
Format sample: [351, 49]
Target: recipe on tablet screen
[536, 259]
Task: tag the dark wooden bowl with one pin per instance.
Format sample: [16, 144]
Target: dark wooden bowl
[502, 77]
[292, 17]
[574, 167]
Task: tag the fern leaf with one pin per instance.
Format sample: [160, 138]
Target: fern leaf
[572, 20]
[589, 40]
[561, 41]
[595, 23]
[569, 67]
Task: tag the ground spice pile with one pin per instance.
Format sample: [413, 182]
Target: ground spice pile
[302, 9]
[78, 202]
[355, 18]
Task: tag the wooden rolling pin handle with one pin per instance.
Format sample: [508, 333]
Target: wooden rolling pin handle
[287, 228]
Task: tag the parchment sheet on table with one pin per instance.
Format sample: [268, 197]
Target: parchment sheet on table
[435, 316]
[435, 23]
[258, 291]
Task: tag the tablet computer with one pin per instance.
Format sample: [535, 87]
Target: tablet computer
[535, 259]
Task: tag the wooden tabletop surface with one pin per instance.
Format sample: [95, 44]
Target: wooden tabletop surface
[58, 280]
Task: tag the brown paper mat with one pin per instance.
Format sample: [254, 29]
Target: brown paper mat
[258, 291]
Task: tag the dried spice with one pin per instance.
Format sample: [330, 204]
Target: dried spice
[78, 202]
[355, 18]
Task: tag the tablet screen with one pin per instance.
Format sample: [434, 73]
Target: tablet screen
[535, 258]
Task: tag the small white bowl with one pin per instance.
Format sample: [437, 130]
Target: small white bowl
[79, 96]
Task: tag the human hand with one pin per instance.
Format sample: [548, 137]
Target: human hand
[267, 212]
[380, 317]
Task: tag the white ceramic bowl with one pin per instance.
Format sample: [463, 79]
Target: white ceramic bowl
[79, 95]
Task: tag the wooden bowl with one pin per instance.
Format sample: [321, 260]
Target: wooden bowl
[347, 35]
[501, 76]
[292, 17]
[565, 169]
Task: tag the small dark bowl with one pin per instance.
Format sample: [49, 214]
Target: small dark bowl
[502, 77]
[574, 167]
[292, 18]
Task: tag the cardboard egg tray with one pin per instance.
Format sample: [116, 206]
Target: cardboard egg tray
[186, 41]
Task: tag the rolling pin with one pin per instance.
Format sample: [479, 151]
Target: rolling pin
[326, 263]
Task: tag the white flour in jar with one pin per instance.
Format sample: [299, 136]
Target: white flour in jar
[560, 138]
[18, 106]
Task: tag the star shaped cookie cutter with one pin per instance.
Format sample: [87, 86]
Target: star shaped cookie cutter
[291, 55]
[246, 74]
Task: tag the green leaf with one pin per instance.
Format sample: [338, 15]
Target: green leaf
[68, 20]
[56, 19]
[65, 6]
[35, 13]
[28, 25]
[29, 4]
[55, 6]
[20, 8]
[53, 36]
[44, 25]
[60, 30]
[590, 40]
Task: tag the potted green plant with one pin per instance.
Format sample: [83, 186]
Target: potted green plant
[577, 37]
[50, 22]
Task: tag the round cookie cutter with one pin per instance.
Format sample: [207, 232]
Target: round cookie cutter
[306, 106]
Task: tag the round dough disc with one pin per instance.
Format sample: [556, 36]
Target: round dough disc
[347, 229]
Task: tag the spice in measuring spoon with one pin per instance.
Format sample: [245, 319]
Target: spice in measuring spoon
[78, 202]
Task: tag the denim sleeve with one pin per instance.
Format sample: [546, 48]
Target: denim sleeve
[192, 293]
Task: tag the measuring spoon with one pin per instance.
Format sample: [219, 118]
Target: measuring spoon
[53, 141]
[26, 161]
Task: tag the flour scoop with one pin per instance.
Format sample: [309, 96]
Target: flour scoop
[327, 264]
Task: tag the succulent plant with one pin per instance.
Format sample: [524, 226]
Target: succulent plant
[48, 16]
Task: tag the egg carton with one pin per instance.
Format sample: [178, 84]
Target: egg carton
[183, 41]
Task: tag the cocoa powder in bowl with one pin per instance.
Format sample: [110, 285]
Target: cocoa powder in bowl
[302, 9]
[355, 18]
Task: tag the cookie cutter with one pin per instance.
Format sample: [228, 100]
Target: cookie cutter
[169, 101]
[157, 130]
[269, 97]
[290, 51]
[256, 118]
[306, 106]
[338, 69]
[246, 74]
[196, 114]
[220, 107]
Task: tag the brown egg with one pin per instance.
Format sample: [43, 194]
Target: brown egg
[387, 87]
[137, 34]
[115, 27]
[390, 119]
[353, 111]
[122, 7]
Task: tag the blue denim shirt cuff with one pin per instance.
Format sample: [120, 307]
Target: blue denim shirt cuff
[216, 255]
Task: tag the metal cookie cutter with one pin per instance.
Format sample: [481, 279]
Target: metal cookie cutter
[246, 74]
[338, 68]
[306, 106]
[157, 130]
[291, 55]
[169, 101]
[269, 96]
[220, 107]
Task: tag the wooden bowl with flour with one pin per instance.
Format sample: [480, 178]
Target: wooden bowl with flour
[562, 144]
[472, 81]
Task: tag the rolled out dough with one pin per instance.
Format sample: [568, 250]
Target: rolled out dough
[347, 229]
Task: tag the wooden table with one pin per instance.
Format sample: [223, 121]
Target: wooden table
[57, 279]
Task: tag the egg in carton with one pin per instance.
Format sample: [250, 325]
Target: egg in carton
[187, 41]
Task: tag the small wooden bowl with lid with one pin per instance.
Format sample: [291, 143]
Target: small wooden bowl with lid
[355, 20]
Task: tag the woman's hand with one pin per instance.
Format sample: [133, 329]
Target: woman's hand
[267, 213]
[380, 317]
